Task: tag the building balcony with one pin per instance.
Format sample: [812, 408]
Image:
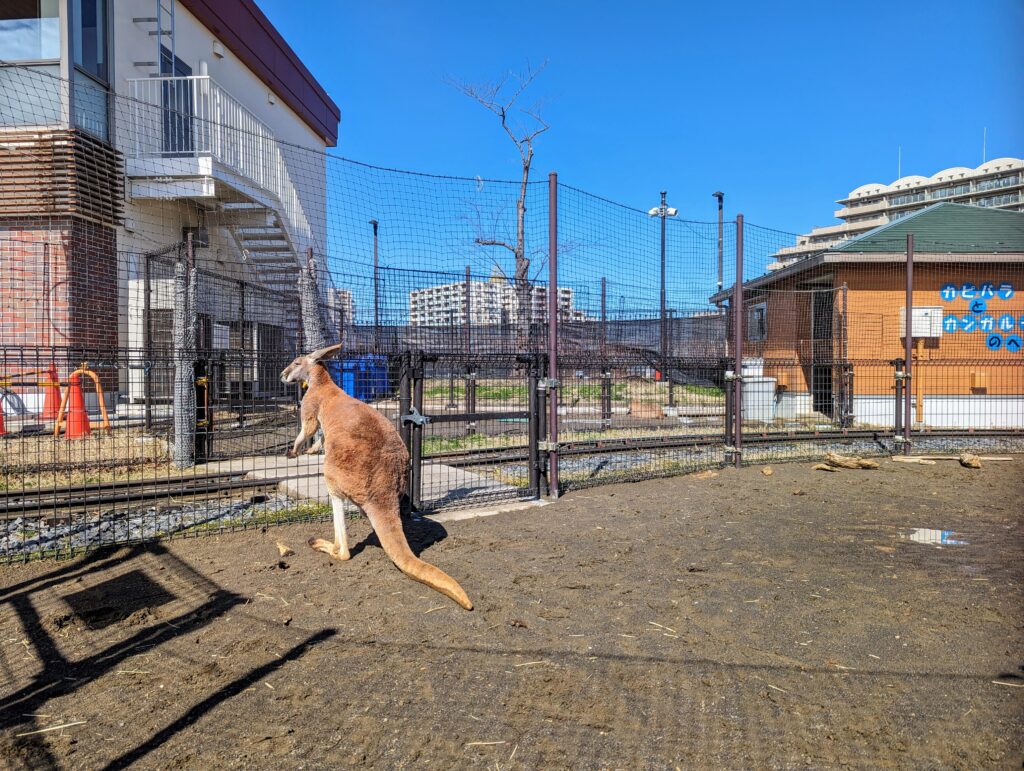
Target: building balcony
[847, 228]
[187, 137]
[866, 208]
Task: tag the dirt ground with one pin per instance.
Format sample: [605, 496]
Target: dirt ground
[737, 620]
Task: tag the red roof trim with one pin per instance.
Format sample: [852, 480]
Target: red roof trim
[248, 34]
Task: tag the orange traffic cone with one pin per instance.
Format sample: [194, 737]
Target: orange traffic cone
[78, 421]
[51, 400]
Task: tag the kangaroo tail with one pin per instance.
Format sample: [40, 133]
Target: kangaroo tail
[388, 526]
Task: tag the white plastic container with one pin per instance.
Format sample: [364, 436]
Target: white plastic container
[758, 397]
[752, 367]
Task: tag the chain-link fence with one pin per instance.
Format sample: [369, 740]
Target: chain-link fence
[147, 315]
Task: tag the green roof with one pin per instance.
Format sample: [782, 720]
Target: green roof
[946, 227]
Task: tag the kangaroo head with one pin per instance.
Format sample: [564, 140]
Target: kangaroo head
[301, 366]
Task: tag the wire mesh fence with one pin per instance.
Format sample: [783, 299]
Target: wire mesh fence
[147, 315]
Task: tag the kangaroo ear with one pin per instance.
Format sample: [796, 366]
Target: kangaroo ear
[325, 353]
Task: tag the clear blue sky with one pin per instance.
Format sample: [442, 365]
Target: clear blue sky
[784, 106]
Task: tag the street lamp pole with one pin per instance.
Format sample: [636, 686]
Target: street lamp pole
[663, 211]
[721, 197]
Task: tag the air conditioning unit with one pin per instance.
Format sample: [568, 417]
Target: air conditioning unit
[927, 321]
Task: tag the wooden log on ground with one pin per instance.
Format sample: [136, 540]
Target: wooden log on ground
[849, 461]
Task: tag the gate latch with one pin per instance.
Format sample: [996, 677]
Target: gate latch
[415, 418]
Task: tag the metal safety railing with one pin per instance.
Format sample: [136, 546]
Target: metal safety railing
[194, 116]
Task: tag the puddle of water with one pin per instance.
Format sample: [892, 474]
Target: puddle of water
[933, 537]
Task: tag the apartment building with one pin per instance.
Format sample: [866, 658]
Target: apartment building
[342, 305]
[997, 184]
[491, 302]
[125, 126]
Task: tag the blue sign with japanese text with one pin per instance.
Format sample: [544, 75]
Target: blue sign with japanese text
[977, 306]
[988, 290]
[968, 323]
[986, 323]
[1014, 343]
[994, 342]
[1006, 323]
[950, 324]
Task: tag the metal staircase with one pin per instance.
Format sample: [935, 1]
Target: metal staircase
[264, 243]
[213, 132]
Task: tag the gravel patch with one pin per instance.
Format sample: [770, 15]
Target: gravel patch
[30, 535]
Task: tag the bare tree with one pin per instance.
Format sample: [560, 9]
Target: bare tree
[500, 97]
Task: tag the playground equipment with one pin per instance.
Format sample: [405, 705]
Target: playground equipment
[50, 384]
[74, 402]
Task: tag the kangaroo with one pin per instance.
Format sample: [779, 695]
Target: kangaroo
[365, 461]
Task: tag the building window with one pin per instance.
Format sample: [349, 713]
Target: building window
[90, 106]
[29, 30]
[757, 322]
[997, 200]
[906, 198]
[89, 22]
[992, 184]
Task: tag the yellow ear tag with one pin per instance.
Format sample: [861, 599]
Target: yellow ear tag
[305, 384]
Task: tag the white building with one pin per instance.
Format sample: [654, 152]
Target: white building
[491, 302]
[998, 184]
[179, 116]
[342, 305]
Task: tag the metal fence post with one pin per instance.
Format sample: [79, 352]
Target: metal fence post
[908, 337]
[467, 322]
[553, 331]
[185, 279]
[666, 363]
[845, 370]
[897, 425]
[147, 342]
[376, 290]
[542, 421]
[730, 418]
[604, 321]
[404, 428]
[471, 398]
[242, 370]
[416, 448]
[533, 432]
[404, 396]
[738, 344]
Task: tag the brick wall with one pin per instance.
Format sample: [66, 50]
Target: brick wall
[58, 294]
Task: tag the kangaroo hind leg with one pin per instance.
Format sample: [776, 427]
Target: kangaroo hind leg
[338, 549]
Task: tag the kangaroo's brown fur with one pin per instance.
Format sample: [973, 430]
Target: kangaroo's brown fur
[365, 461]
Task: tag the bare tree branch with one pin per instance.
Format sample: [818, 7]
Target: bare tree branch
[489, 95]
[492, 242]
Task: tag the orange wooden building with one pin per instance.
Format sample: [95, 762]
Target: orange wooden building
[824, 336]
